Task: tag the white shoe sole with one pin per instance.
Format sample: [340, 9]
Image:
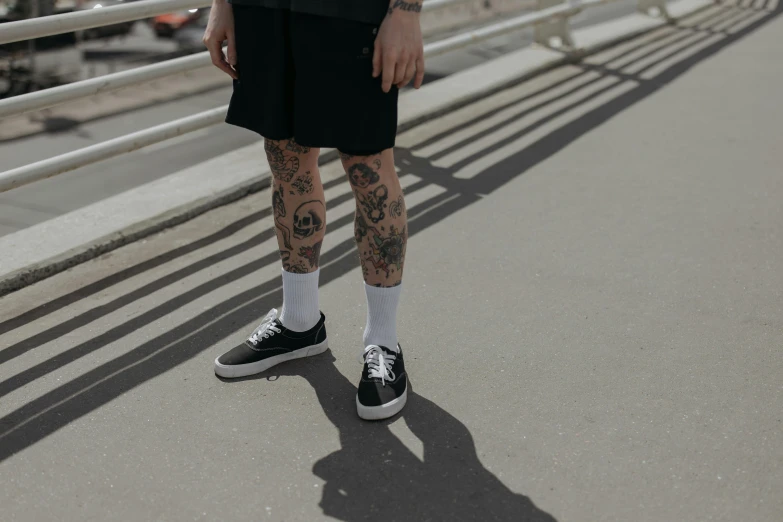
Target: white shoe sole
[384, 411]
[243, 370]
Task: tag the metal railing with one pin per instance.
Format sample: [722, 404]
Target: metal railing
[550, 21]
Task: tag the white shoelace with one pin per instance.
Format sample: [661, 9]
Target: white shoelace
[379, 363]
[266, 329]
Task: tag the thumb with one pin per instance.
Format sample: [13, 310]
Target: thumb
[232, 47]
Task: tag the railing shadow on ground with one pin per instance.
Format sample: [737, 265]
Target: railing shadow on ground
[447, 483]
[70, 401]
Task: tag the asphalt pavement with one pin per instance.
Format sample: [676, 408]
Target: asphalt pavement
[592, 316]
[26, 206]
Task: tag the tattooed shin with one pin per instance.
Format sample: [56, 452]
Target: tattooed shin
[296, 148]
[303, 183]
[386, 252]
[362, 175]
[284, 166]
[374, 203]
[278, 204]
[311, 253]
[397, 208]
[309, 218]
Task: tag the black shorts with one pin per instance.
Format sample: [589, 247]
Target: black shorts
[309, 78]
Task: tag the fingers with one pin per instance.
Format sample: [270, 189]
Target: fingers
[232, 48]
[419, 72]
[410, 71]
[389, 62]
[376, 60]
[218, 60]
[400, 70]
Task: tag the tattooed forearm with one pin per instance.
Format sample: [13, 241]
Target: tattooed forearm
[283, 166]
[346, 157]
[397, 208]
[405, 6]
[374, 203]
[311, 253]
[303, 183]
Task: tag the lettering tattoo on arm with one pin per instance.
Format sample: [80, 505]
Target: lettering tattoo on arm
[402, 5]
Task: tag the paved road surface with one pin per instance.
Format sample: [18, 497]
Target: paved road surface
[593, 319]
[44, 200]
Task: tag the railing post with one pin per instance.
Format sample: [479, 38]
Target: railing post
[555, 33]
[656, 8]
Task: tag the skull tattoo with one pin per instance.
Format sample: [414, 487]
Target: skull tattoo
[308, 219]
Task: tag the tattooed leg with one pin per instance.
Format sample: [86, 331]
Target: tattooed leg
[297, 203]
[380, 227]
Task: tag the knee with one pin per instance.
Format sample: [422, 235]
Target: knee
[286, 158]
[366, 172]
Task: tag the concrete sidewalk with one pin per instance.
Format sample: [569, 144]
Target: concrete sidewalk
[593, 318]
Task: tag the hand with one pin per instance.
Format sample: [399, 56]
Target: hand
[220, 28]
[399, 50]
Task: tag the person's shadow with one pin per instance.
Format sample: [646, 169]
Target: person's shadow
[374, 476]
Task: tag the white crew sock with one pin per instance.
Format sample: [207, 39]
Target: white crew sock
[382, 315]
[300, 301]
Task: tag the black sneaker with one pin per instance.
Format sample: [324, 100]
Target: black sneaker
[383, 389]
[271, 344]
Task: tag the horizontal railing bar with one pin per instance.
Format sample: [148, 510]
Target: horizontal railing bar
[65, 162]
[78, 21]
[591, 3]
[101, 84]
[72, 160]
[491, 31]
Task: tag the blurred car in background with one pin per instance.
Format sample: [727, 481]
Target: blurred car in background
[120, 29]
[189, 38]
[167, 25]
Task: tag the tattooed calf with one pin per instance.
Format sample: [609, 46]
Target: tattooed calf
[278, 204]
[296, 148]
[374, 203]
[283, 167]
[397, 208]
[295, 268]
[362, 175]
[311, 253]
[303, 184]
[359, 228]
[386, 253]
[308, 219]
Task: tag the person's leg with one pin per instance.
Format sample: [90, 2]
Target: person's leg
[299, 213]
[381, 233]
[380, 229]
